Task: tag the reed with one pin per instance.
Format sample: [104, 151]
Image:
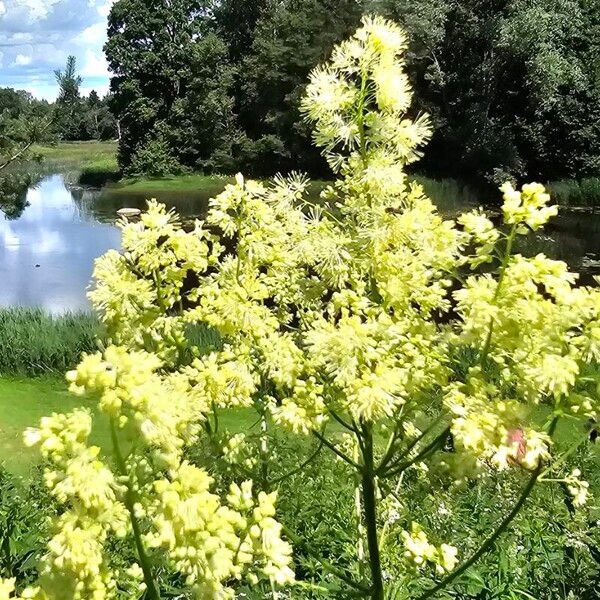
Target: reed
[33, 342]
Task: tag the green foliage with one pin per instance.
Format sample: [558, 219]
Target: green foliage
[512, 85]
[290, 39]
[33, 342]
[154, 159]
[585, 192]
[24, 509]
[79, 118]
[23, 122]
[222, 92]
[154, 51]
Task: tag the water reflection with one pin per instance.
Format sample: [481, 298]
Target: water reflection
[48, 247]
[47, 254]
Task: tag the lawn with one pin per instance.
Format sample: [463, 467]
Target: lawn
[80, 152]
[23, 402]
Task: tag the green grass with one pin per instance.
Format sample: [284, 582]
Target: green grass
[80, 152]
[33, 342]
[176, 183]
[583, 192]
[95, 163]
[23, 402]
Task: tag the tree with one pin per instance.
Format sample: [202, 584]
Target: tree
[98, 122]
[69, 107]
[151, 51]
[290, 39]
[512, 86]
[24, 122]
[236, 21]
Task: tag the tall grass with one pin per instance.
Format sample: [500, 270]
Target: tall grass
[33, 342]
[99, 172]
[452, 196]
[572, 192]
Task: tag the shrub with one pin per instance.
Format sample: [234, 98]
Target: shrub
[407, 345]
[154, 159]
[585, 192]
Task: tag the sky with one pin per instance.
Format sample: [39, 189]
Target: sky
[37, 36]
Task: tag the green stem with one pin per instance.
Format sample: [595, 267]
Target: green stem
[433, 445]
[489, 542]
[341, 421]
[370, 514]
[507, 254]
[392, 461]
[339, 453]
[152, 592]
[360, 118]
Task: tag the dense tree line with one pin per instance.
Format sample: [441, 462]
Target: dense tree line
[71, 117]
[512, 86]
[23, 122]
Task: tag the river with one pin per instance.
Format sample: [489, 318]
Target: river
[47, 250]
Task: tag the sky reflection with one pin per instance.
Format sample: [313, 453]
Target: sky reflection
[47, 255]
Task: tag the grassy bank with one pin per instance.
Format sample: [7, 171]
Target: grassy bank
[95, 162]
[24, 401]
[34, 343]
[583, 192]
[81, 153]
[208, 184]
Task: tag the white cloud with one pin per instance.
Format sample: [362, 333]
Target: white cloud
[95, 65]
[36, 36]
[94, 34]
[104, 7]
[38, 9]
[22, 60]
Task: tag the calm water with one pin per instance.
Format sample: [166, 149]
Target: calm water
[47, 252]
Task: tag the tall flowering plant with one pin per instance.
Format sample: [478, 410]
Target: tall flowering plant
[343, 320]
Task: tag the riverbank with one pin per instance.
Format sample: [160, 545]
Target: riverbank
[34, 342]
[97, 166]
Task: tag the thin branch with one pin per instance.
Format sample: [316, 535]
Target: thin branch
[489, 542]
[299, 468]
[397, 469]
[332, 447]
[342, 422]
[16, 156]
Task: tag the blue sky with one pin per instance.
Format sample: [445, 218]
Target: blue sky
[36, 36]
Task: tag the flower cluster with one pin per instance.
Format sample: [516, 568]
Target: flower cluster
[160, 412]
[578, 488]
[527, 207]
[421, 552]
[211, 543]
[353, 307]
